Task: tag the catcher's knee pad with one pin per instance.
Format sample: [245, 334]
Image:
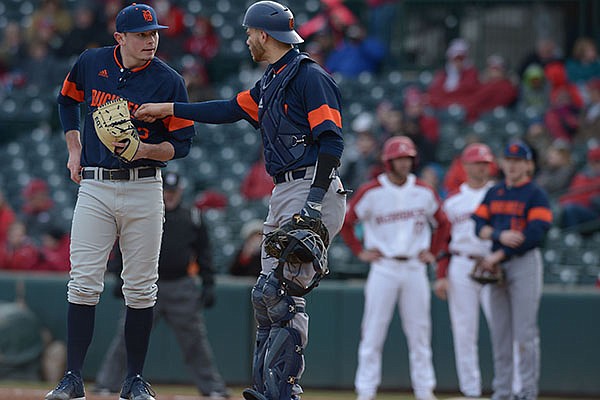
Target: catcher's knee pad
[262, 334]
[260, 308]
[258, 360]
[280, 306]
[282, 363]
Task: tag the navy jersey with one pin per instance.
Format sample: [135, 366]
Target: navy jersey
[312, 103]
[98, 76]
[524, 208]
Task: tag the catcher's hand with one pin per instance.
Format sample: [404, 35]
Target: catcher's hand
[276, 241]
[207, 296]
[483, 275]
[113, 124]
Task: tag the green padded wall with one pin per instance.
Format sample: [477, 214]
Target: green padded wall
[569, 323]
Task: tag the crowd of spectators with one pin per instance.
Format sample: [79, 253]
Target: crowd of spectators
[32, 49]
[559, 95]
[32, 239]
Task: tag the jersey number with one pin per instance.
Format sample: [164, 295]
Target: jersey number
[143, 132]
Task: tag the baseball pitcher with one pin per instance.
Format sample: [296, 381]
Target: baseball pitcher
[116, 161]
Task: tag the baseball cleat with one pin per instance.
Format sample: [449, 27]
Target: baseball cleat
[136, 388]
[70, 387]
[251, 394]
[218, 395]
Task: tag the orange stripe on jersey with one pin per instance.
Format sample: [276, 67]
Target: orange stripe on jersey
[540, 213]
[174, 123]
[322, 114]
[69, 89]
[116, 57]
[245, 100]
[483, 211]
[281, 69]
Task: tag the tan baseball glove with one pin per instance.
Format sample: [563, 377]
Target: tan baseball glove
[485, 276]
[113, 124]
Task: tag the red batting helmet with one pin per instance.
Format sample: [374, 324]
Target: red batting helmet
[477, 152]
[396, 147]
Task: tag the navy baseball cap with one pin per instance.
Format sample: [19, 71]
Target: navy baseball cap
[518, 149]
[137, 18]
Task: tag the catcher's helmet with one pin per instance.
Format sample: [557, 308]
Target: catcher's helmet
[303, 246]
[477, 152]
[275, 19]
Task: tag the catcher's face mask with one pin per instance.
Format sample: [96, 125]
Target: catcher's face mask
[303, 247]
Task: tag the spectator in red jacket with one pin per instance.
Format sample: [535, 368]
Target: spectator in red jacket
[172, 38]
[562, 117]
[496, 89]
[203, 41]
[38, 212]
[7, 217]
[414, 108]
[581, 203]
[333, 18]
[457, 81]
[19, 253]
[247, 261]
[257, 184]
[589, 119]
[55, 251]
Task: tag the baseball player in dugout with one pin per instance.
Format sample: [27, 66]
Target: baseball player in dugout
[515, 214]
[120, 193]
[297, 106]
[397, 213]
[185, 244]
[464, 294]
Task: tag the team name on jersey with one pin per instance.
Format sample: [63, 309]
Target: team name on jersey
[460, 218]
[509, 207]
[399, 216]
[99, 97]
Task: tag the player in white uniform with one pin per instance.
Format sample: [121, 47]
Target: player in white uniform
[464, 294]
[396, 211]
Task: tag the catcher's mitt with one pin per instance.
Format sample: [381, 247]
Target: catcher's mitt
[113, 123]
[277, 240]
[485, 276]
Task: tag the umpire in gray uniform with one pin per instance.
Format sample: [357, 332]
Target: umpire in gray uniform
[185, 241]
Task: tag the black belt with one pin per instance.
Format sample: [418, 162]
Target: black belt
[469, 256]
[290, 175]
[119, 174]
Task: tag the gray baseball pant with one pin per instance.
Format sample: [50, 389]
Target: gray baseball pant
[179, 304]
[513, 316]
[134, 212]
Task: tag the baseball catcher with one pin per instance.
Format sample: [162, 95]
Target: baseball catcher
[482, 274]
[302, 149]
[113, 124]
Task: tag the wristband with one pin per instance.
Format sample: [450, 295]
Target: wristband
[496, 235]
